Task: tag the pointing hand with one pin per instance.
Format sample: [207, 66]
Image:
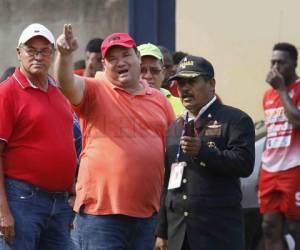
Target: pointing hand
[66, 42]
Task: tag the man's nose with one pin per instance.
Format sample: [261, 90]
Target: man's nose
[184, 85]
[38, 55]
[92, 60]
[120, 61]
[147, 74]
[89, 61]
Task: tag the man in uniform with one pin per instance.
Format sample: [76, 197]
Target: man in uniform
[208, 149]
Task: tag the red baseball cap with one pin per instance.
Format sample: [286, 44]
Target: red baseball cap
[120, 39]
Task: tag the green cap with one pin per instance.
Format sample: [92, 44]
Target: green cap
[149, 49]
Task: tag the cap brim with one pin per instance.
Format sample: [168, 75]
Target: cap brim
[125, 45]
[41, 35]
[185, 74]
[152, 55]
[121, 44]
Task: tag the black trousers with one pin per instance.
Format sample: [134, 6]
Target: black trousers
[185, 245]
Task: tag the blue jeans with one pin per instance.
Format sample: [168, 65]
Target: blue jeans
[113, 232]
[42, 219]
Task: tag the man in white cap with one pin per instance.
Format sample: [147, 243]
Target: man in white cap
[37, 154]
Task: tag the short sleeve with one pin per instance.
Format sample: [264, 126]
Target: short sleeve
[169, 112]
[7, 115]
[90, 98]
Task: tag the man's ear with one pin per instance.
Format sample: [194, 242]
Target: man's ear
[212, 83]
[18, 52]
[163, 69]
[139, 56]
[103, 63]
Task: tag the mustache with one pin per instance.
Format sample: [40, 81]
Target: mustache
[37, 63]
[184, 95]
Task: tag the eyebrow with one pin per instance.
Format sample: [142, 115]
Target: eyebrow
[30, 47]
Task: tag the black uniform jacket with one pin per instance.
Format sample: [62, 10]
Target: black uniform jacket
[206, 207]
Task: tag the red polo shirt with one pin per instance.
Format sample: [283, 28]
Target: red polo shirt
[37, 128]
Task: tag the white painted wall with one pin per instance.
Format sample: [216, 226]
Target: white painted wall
[237, 36]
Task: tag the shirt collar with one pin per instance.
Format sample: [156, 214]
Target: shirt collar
[24, 82]
[202, 110]
[165, 92]
[147, 89]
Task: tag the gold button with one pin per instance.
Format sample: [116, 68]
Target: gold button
[184, 197]
[184, 180]
[186, 214]
[202, 164]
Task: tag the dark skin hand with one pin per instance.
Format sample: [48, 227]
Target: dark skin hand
[190, 145]
[276, 80]
[160, 244]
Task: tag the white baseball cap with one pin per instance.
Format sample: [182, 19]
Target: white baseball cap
[36, 29]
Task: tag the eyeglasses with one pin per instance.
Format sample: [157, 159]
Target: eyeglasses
[153, 71]
[34, 52]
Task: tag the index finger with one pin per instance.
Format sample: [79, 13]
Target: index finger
[188, 138]
[68, 31]
[276, 72]
[269, 76]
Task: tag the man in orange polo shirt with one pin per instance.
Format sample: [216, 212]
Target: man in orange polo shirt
[124, 122]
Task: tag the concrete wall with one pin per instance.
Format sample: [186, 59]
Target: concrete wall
[90, 18]
[237, 37]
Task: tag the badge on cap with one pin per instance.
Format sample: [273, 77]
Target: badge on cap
[186, 63]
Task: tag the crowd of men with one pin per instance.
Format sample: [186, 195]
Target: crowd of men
[160, 154]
